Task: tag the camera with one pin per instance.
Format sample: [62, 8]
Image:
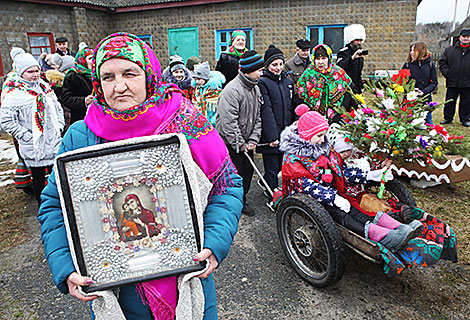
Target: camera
[364, 52]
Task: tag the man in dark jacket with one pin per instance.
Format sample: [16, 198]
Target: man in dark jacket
[351, 57]
[297, 65]
[455, 67]
[238, 118]
[62, 47]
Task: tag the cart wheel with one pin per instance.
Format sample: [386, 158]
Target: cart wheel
[398, 191]
[310, 240]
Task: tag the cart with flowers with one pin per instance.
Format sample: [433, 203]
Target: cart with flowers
[389, 125]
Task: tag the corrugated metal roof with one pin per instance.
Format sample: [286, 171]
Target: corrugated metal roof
[120, 3]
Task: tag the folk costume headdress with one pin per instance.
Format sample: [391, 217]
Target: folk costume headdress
[81, 66]
[164, 111]
[231, 49]
[323, 89]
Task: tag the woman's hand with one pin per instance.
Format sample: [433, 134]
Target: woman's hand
[213, 263]
[73, 281]
[419, 92]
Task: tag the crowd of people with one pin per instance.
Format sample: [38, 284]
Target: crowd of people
[264, 103]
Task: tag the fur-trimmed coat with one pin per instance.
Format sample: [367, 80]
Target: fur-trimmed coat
[314, 169]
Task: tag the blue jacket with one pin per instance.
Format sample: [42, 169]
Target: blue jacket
[220, 226]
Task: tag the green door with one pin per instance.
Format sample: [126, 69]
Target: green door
[184, 42]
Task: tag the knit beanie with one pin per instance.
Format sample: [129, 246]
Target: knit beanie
[24, 61]
[272, 54]
[54, 59]
[15, 51]
[67, 63]
[235, 34]
[82, 45]
[310, 122]
[341, 145]
[192, 61]
[251, 61]
[176, 62]
[202, 71]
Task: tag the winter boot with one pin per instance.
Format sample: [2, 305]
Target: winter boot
[384, 220]
[403, 214]
[394, 240]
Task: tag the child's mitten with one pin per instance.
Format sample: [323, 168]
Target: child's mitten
[342, 203]
[327, 176]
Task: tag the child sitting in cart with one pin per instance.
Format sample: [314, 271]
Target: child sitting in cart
[313, 167]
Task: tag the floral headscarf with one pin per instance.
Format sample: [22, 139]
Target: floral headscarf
[139, 120]
[325, 89]
[81, 66]
[231, 49]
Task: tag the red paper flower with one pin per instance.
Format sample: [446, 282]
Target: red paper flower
[401, 76]
[368, 136]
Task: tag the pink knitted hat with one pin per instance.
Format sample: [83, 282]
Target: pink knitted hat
[310, 122]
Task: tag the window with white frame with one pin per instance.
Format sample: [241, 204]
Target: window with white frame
[222, 40]
[332, 35]
[40, 42]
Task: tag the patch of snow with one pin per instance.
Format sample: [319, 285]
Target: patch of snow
[8, 172]
[6, 182]
[7, 151]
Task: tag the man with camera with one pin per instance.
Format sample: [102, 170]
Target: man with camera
[351, 57]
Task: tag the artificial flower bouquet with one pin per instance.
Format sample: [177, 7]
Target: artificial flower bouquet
[392, 123]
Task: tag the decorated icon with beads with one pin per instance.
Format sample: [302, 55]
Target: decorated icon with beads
[130, 211]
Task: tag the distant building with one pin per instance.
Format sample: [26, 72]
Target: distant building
[202, 27]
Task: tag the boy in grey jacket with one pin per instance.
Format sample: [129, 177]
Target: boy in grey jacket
[238, 118]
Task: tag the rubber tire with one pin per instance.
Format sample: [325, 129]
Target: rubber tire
[330, 235]
[399, 191]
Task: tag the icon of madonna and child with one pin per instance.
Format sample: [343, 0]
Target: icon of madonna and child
[134, 221]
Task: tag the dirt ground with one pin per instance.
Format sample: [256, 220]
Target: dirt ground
[256, 281]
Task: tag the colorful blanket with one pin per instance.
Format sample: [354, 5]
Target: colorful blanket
[437, 241]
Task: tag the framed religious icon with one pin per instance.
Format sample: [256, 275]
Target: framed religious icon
[130, 212]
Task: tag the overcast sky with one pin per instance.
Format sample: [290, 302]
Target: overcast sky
[441, 10]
